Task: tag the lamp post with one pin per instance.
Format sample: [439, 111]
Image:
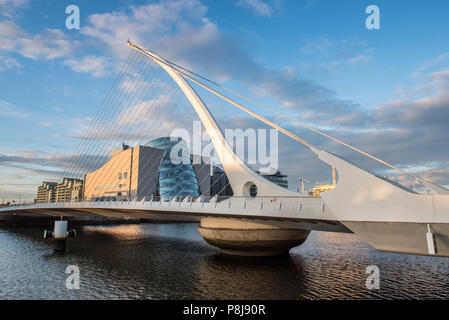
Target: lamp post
[302, 180]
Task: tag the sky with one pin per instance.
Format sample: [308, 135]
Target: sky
[384, 90]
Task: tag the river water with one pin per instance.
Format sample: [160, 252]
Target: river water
[171, 261]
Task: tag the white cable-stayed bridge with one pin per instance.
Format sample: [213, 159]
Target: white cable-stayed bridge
[151, 97]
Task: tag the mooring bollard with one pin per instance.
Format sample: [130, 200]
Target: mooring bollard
[59, 235]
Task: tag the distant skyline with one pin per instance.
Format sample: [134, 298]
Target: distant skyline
[386, 90]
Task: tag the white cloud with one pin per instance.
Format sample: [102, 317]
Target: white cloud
[430, 63]
[9, 29]
[359, 59]
[259, 7]
[143, 24]
[8, 63]
[97, 66]
[436, 175]
[181, 31]
[9, 32]
[48, 45]
[441, 80]
[9, 8]
[9, 110]
[320, 44]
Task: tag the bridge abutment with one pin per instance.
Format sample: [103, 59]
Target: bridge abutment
[247, 238]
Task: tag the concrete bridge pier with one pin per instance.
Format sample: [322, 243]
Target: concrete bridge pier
[246, 238]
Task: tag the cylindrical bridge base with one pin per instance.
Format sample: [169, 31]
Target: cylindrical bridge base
[244, 238]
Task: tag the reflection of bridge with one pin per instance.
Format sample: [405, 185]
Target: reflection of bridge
[381, 212]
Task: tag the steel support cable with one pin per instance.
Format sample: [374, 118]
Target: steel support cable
[148, 91]
[167, 94]
[199, 184]
[185, 112]
[179, 95]
[100, 126]
[77, 152]
[92, 139]
[208, 177]
[150, 105]
[245, 109]
[291, 135]
[99, 112]
[222, 189]
[144, 177]
[161, 103]
[135, 97]
[99, 141]
[100, 133]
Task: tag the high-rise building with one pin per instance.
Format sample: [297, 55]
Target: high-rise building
[77, 191]
[275, 176]
[69, 189]
[46, 192]
[219, 183]
[202, 172]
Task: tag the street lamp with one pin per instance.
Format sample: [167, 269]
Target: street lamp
[302, 180]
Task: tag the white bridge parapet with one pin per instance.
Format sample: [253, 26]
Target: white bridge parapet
[276, 208]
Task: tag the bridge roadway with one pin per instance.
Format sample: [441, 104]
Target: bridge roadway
[302, 212]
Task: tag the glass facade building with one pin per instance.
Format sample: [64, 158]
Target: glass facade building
[177, 177]
[276, 177]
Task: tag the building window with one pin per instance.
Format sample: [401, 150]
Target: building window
[125, 175]
[120, 176]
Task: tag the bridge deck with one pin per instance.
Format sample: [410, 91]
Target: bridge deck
[293, 212]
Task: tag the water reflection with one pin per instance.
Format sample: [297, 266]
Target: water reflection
[224, 277]
[171, 261]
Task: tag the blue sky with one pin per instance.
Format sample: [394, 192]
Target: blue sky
[385, 90]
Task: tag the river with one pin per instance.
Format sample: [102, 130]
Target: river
[172, 261]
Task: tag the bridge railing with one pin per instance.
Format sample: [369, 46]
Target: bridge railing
[287, 206]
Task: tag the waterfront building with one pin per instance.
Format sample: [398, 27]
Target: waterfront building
[176, 174]
[129, 173]
[46, 192]
[219, 182]
[69, 189]
[275, 176]
[77, 191]
[145, 171]
[202, 172]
